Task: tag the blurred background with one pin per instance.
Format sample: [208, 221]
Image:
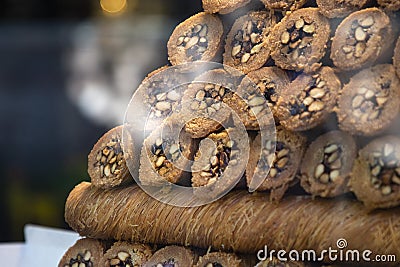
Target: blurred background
[68, 69]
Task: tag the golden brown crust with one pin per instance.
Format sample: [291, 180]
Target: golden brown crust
[159, 95]
[124, 253]
[87, 251]
[197, 38]
[162, 152]
[299, 40]
[361, 38]
[221, 165]
[107, 161]
[247, 222]
[260, 90]
[327, 164]
[376, 178]
[369, 103]
[205, 97]
[246, 46]
[289, 149]
[308, 100]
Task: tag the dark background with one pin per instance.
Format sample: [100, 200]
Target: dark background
[67, 71]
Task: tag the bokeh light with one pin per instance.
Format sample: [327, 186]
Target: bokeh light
[113, 6]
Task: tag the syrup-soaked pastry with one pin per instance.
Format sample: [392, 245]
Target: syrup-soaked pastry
[280, 167]
[308, 100]
[159, 96]
[369, 103]
[260, 90]
[361, 39]
[327, 164]
[163, 153]
[376, 173]
[107, 165]
[86, 252]
[204, 102]
[299, 40]
[239, 221]
[218, 167]
[197, 38]
[246, 46]
[125, 254]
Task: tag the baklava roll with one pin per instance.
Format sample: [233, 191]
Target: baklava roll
[361, 39]
[247, 47]
[204, 110]
[239, 222]
[197, 38]
[165, 154]
[260, 90]
[284, 5]
[218, 166]
[278, 162]
[85, 252]
[299, 40]
[107, 165]
[369, 103]
[157, 97]
[376, 173]
[308, 100]
[327, 164]
[126, 254]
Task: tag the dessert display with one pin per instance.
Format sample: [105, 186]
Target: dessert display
[288, 140]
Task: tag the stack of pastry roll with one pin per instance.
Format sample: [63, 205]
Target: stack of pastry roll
[325, 75]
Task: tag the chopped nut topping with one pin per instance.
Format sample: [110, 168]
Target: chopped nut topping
[110, 159]
[160, 101]
[248, 41]
[385, 175]
[367, 104]
[81, 260]
[209, 98]
[225, 153]
[297, 39]
[311, 100]
[278, 161]
[162, 151]
[356, 41]
[328, 170]
[195, 41]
